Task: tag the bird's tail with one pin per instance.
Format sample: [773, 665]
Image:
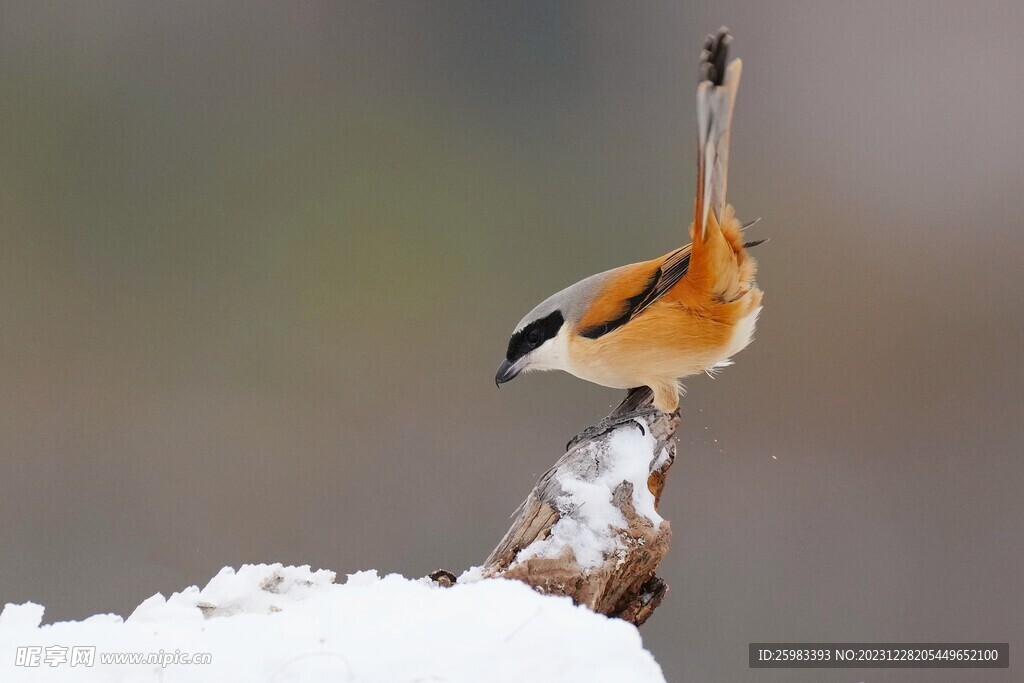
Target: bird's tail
[716, 96]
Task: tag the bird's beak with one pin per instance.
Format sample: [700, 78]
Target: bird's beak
[507, 371]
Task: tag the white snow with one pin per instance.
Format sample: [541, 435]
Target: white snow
[279, 624]
[589, 521]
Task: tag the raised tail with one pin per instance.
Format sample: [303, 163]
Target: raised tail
[716, 96]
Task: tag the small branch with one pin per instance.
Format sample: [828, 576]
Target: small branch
[590, 528]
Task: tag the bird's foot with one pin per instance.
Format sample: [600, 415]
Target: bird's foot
[610, 423]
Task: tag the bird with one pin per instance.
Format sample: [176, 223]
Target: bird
[653, 323]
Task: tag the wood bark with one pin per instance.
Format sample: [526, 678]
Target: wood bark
[624, 584]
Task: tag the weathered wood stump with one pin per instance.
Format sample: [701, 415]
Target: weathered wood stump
[590, 528]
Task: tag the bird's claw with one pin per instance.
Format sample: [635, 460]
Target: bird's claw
[609, 424]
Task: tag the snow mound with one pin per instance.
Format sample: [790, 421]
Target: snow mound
[280, 624]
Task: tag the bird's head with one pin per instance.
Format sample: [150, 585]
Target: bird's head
[538, 343]
[542, 338]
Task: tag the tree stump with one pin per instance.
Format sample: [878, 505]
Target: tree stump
[590, 528]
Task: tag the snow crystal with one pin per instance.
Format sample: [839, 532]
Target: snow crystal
[278, 624]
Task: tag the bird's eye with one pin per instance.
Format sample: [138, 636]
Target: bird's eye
[533, 338]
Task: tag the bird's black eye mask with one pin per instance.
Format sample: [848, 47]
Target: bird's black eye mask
[533, 335]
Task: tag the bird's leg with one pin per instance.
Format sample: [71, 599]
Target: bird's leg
[637, 404]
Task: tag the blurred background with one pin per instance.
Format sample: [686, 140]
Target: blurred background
[259, 262]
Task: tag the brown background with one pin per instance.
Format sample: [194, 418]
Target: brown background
[259, 261]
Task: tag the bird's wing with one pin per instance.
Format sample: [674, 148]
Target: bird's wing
[671, 270]
[664, 274]
[644, 284]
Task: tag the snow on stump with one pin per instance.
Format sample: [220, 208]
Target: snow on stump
[590, 529]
